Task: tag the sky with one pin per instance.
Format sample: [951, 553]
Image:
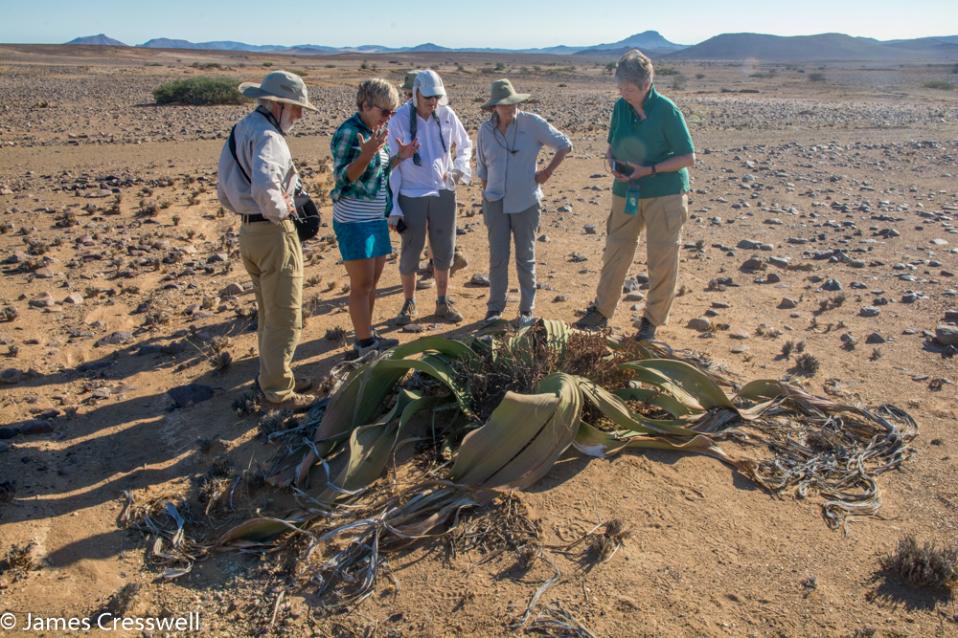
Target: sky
[455, 23]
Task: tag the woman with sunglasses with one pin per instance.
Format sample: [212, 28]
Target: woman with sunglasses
[361, 166]
[508, 144]
[424, 190]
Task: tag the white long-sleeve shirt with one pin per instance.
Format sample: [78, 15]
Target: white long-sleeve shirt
[437, 164]
[265, 156]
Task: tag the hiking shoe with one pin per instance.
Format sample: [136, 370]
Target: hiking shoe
[593, 320]
[407, 314]
[646, 331]
[379, 344]
[459, 262]
[493, 316]
[525, 319]
[447, 311]
[295, 402]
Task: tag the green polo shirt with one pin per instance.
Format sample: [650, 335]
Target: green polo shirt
[661, 135]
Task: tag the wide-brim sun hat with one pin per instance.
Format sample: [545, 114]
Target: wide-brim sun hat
[429, 84]
[279, 86]
[409, 80]
[502, 93]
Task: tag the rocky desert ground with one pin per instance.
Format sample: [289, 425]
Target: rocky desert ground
[823, 218]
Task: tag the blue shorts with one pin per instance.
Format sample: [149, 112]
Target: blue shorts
[363, 240]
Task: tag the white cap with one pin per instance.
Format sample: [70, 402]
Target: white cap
[429, 84]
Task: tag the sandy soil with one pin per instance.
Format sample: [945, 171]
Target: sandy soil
[116, 263]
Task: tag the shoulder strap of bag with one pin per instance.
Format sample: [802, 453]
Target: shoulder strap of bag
[232, 145]
[414, 126]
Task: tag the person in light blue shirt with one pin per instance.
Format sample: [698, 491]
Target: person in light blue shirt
[507, 148]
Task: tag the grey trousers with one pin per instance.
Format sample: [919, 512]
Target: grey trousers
[432, 216]
[502, 228]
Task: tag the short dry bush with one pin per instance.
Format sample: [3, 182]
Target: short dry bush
[924, 567]
[199, 91]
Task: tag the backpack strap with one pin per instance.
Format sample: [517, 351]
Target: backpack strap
[232, 145]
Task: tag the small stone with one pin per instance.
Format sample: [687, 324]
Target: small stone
[589, 229]
[787, 303]
[869, 311]
[939, 242]
[740, 335]
[103, 392]
[946, 335]
[560, 299]
[74, 298]
[543, 238]
[700, 324]
[831, 285]
[772, 278]
[909, 297]
[874, 338]
[231, 290]
[10, 376]
[577, 258]
[414, 328]
[480, 280]
[116, 339]
[951, 316]
[752, 264]
[186, 395]
[780, 262]
[634, 296]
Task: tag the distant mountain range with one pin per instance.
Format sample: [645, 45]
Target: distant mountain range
[727, 46]
[818, 48]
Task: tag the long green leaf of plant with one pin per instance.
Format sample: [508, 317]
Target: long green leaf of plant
[690, 379]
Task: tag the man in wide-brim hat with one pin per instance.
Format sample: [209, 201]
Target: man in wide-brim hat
[257, 180]
[507, 145]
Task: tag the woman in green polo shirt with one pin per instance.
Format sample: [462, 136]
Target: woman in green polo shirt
[650, 152]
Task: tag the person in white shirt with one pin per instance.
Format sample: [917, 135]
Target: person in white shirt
[507, 146]
[423, 190]
[257, 180]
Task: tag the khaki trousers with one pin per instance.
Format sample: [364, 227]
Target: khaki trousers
[273, 257]
[662, 218]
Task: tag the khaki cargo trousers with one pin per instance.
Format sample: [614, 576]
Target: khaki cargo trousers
[662, 218]
[273, 257]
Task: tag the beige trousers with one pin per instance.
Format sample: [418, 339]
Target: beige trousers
[662, 218]
[273, 258]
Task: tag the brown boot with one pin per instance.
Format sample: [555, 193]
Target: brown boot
[295, 402]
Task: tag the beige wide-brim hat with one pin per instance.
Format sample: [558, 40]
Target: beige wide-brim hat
[502, 94]
[409, 80]
[279, 86]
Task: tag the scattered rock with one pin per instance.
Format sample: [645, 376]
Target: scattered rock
[414, 328]
[10, 376]
[874, 338]
[946, 335]
[869, 311]
[787, 303]
[589, 229]
[831, 285]
[700, 324]
[116, 339]
[191, 394]
[479, 280]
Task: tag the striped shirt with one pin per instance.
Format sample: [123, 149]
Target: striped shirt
[368, 197]
[348, 209]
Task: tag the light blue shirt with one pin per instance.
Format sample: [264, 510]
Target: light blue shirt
[507, 162]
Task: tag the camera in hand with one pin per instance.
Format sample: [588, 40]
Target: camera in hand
[622, 168]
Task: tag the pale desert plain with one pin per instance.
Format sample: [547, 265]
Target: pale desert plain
[822, 213]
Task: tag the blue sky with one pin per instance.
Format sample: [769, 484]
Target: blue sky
[458, 23]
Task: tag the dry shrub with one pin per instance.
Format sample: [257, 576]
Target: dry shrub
[924, 567]
[502, 526]
[18, 561]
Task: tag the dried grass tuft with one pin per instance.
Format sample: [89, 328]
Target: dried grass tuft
[923, 567]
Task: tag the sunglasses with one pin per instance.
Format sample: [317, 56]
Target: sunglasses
[385, 112]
